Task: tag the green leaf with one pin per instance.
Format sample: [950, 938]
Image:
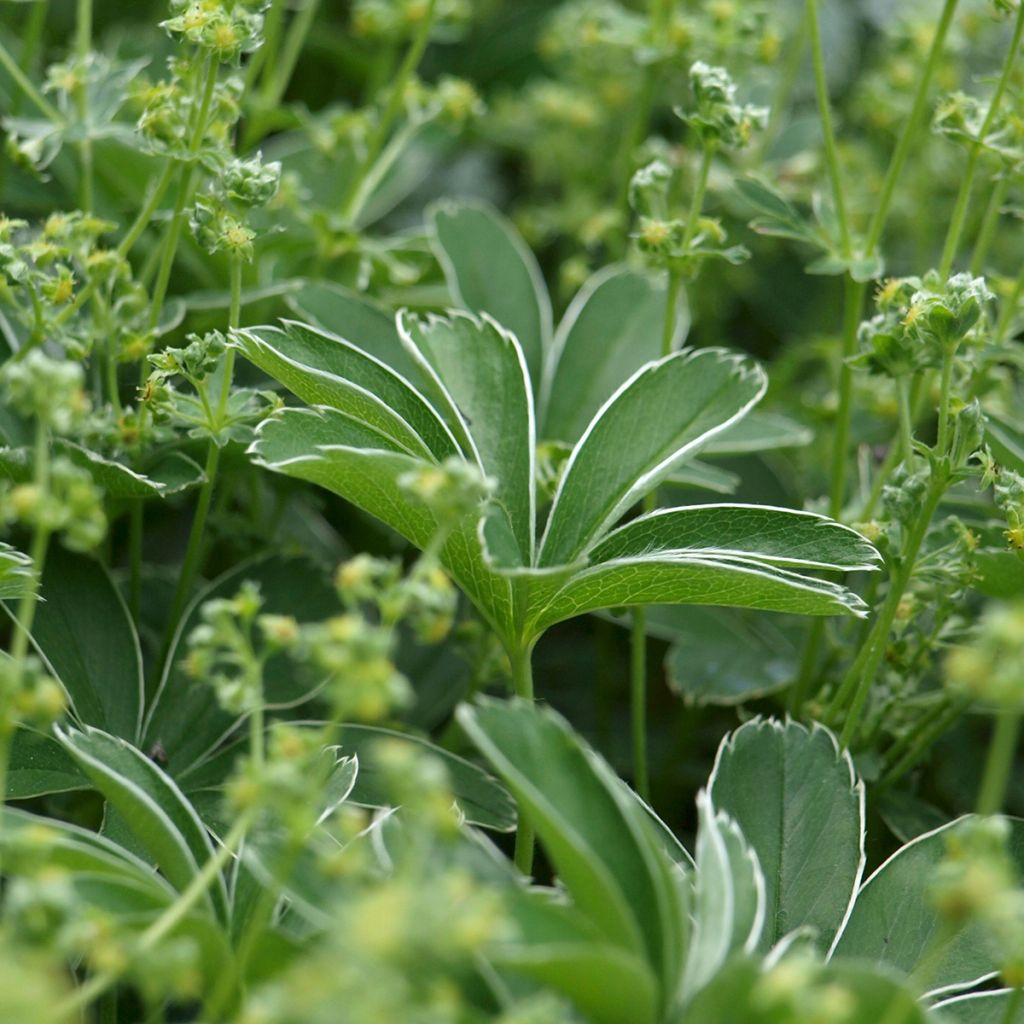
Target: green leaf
[489, 269]
[482, 799]
[85, 635]
[355, 318]
[760, 432]
[728, 897]
[158, 812]
[326, 448]
[479, 369]
[689, 579]
[612, 327]
[664, 413]
[982, 1008]
[797, 800]
[726, 656]
[556, 948]
[598, 837]
[323, 369]
[764, 534]
[185, 718]
[894, 922]
[34, 840]
[15, 572]
[40, 765]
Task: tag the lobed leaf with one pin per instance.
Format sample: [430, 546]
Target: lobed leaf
[796, 798]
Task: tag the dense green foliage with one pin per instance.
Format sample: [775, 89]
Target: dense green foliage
[513, 510]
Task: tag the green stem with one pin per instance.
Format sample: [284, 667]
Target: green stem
[699, 191]
[906, 427]
[1001, 753]
[392, 108]
[522, 683]
[271, 38]
[164, 924]
[912, 747]
[861, 674]
[638, 701]
[45, 107]
[910, 128]
[945, 387]
[788, 78]
[1009, 309]
[852, 305]
[827, 130]
[186, 175]
[963, 198]
[294, 41]
[989, 222]
[83, 44]
[1013, 1004]
[672, 292]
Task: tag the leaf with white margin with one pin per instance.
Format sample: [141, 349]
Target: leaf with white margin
[665, 412]
[326, 370]
[894, 921]
[764, 533]
[728, 897]
[490, 269]
[983, 1008]
[479, 371]
[611, 328]
[16, 573]
[159, 814]
[796, 797]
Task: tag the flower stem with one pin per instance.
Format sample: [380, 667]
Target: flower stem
[1000, 761]
[45, 107]
[350, 205]
[910, 128]
[827, 130]
[165, 923]
[963, 199]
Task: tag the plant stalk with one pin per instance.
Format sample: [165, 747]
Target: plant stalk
[1000, 762]
[522, 683]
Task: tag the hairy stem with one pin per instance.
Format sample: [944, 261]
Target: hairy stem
[522, 683]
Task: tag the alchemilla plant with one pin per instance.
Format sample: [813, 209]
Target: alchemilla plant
[511, 512]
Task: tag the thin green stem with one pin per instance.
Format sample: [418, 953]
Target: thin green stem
[1001, 753]
[906, 427]
[827, 130]
[638, 701]
[700, 190]
[963, 199]
[186, 175]
[910, 128]
[522, 684]
[293, 44]
[392, 108]
[673, 290]
[945, 389]
[1009, 309]
[787, 80]
[1013, 1004]
[83, 45]
[45, 107]
[908, 752]
[165, 923]
[862, 672]
[853, 303]
[271, 38]
[989, 222]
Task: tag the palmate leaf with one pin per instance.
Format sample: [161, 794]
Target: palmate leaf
[474, 396]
